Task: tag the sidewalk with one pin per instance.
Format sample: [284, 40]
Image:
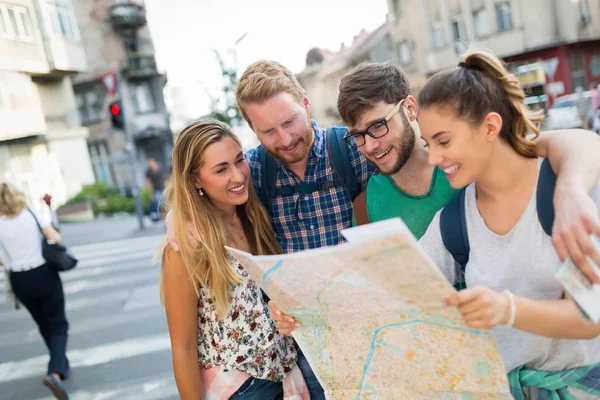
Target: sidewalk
[109, 228]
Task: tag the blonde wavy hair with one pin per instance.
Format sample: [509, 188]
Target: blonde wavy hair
[482, 84]
[208, 264]
[12, 200]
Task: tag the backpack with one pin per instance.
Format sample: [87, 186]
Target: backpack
[453, 224]
[361, 214]
[339, 158]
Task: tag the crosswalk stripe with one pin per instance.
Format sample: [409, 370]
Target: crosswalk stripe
[73, 304]
[110, 259]
[148, 390]
[35, 366]
[89, 284]
[91, 325]
[92, 249]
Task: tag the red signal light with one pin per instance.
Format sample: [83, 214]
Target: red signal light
[115, 109]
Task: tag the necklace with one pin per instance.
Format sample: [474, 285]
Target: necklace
[241, 235]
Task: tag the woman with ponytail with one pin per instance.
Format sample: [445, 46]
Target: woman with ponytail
[479, 131]
[223, 342]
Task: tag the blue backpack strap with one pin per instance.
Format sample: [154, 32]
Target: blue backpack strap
[453, 227]
[545, 196]
[340, 159]
[268, 178]
[453, 223]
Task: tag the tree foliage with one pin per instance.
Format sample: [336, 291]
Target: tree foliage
[223, 106]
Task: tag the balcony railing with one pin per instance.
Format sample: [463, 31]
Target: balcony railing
[127, 16]
[141, 65]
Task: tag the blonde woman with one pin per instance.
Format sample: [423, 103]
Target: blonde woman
[223, 342]
[477, 127]
[35, 284]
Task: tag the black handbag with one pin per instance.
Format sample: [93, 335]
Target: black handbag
[55, 254]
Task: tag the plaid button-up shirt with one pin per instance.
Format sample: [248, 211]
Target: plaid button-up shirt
[316, 219]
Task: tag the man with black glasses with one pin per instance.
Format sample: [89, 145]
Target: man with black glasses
[376, 103]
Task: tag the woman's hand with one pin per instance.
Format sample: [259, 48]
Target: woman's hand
[285, 323]
[575, 221]
[481, 307]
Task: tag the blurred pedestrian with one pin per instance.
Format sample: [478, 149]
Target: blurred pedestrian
[596, 99]
[35, 284]
[223, 342]
[583, 107]
[155, 179]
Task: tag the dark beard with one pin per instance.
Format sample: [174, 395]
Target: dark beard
[405, 149]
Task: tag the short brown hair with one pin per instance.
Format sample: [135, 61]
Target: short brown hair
[264, 79]
[368, 84]
[480, 85]
[12, 200]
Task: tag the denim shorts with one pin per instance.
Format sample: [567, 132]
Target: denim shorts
[259, 389]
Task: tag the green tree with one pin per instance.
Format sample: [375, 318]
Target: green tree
[224, 107]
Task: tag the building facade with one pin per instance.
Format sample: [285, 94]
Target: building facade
[43, 146]
[119, 48]
[325, 69]
[552, 45]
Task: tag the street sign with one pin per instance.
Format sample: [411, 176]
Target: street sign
[110, 81]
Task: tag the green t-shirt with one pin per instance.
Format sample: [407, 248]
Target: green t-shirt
[385, 200]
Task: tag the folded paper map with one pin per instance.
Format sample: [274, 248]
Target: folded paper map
[373, 321]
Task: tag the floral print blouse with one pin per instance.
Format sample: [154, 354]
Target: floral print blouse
[247, 339]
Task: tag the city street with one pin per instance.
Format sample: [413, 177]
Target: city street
[118, 340]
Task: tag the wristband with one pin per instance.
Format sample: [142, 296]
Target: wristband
[513, 308]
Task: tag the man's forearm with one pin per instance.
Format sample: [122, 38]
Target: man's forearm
[573, 155]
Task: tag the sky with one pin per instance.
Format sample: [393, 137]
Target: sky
[185, 31]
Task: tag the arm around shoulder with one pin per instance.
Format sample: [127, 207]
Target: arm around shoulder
[181, 303]
[573, 155]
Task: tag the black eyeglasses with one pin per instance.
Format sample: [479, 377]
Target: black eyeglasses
[375, 130]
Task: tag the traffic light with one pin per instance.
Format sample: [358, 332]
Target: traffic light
[116, 114]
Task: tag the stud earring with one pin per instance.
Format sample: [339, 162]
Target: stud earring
[200, 192]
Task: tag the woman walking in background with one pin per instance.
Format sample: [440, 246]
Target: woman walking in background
[35, 284]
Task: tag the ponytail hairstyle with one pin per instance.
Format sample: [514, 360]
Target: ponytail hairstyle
[481, 84]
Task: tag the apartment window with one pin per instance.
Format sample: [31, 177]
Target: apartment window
[143, 101]
[584, 12]
[60, 19]
[480, 23]
[4, 25]
[459, 32]
[100, 158]
[595, 64]
[404, 52]
[90, 103]
[503, 16]
[396, 9]
[578, 70]
[437, 35]
[4, 97]
[15, 23]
